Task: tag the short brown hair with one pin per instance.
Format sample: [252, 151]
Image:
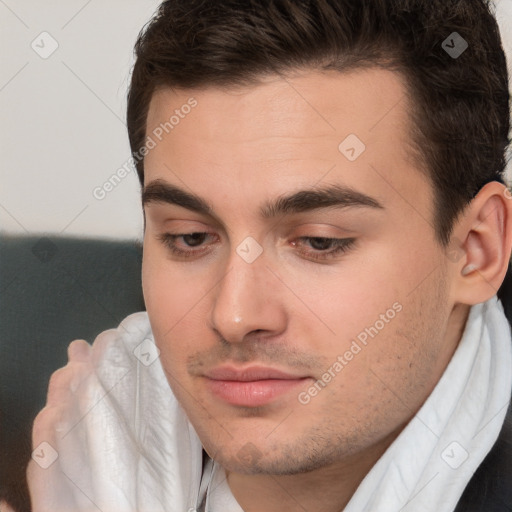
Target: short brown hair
[460, 113]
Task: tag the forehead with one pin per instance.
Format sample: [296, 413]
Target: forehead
[288, 133]
[306, 103]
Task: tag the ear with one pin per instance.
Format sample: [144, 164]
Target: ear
[482, 241]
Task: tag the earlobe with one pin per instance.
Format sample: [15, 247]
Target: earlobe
[486, 231]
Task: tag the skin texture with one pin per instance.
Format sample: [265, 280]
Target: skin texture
[241, 147]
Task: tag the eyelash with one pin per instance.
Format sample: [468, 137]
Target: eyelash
[342, 245]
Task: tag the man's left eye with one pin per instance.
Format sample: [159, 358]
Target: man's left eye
[321, 244]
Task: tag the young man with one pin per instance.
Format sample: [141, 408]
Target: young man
[326, 231]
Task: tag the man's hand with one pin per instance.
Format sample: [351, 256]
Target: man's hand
[51, 488]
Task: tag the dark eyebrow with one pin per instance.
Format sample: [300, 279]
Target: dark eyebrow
[338, 196]
[158, 191]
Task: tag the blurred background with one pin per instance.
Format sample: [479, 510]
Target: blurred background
[63, 82]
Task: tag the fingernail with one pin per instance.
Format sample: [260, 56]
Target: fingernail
[78, 349]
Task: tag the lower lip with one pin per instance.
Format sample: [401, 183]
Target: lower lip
[253, 393]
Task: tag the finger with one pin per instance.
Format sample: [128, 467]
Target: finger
[59, 386]
[79, 351]
[49, 488]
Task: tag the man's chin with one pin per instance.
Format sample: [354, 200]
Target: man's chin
[257, 458]
[279, 466]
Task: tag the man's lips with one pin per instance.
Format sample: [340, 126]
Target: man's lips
[251, 387]
[249, 374]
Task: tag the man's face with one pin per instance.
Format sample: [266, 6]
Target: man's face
[285, 354]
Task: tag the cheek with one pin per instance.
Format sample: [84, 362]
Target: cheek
[170, 294]
[172, 305]
[346, 301]
[377, 328]
[377, 381]
[159, 296]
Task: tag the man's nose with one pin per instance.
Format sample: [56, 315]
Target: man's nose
[248, 298]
